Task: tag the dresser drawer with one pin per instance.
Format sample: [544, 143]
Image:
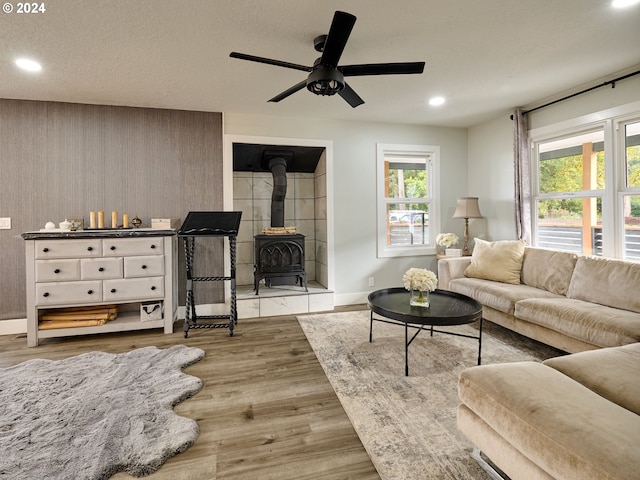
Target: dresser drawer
[148, 266]
[133, 289]
[132, 246]
[68, 248]
[68, 293]
[100, 268]
[57, 270]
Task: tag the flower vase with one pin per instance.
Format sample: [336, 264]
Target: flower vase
[419, 298]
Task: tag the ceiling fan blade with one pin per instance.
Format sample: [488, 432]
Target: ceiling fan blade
[350, 96]
[268, 61]
[339, 32]
[289, 91]
[382, 69]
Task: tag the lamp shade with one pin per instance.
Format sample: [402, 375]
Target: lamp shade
[467, 207]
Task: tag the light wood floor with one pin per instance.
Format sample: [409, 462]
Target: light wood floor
[267, 410]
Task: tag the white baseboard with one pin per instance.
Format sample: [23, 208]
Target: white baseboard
[11, 327]
[351, 298]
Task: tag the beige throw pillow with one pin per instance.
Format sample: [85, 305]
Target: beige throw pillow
[500, 261]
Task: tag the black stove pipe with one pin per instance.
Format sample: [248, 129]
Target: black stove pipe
[278, 167]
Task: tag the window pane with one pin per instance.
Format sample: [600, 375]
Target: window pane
[632, 227]
[632, 151]
[572, 164]
[407, 224]
[573, 225]
[406, 178]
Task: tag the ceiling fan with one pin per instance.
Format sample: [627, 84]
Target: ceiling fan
[326, 77]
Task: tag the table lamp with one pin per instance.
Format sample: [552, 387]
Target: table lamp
[467, 207]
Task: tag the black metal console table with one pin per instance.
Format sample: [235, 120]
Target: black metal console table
[209, 224]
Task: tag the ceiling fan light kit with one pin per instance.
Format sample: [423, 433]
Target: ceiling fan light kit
[326, 77]
[325, 81]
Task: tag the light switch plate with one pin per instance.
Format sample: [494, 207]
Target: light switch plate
[5, 223]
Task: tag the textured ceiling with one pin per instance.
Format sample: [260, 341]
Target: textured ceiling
[485, 56]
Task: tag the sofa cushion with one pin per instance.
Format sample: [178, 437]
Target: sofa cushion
[606, 281]
[500, 261]
[610, 372]
[548, 269]
[497, 295]
[559, 424]
[592, 323]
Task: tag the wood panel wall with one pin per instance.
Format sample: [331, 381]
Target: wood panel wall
[61, 160]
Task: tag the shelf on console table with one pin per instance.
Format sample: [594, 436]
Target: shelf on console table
[126, 267]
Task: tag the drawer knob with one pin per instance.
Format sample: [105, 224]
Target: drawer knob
[90, 292]
[90, 249]
[153, 246]
[113, 290]
[101, 269]
[144, 267]
[45, 294]
[57, 270]
[45, 249]
[153, 288]
[113, 247]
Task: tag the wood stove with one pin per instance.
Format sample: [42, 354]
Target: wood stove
[279, 254]
[279, 260]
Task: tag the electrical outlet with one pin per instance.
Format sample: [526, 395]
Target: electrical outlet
[5, 223]
[371, 281]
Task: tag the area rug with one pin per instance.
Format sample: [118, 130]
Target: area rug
[408, 424]
[96, 414]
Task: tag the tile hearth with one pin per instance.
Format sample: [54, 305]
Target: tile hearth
[282, 300]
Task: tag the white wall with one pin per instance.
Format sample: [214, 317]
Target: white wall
[626, 91]
[354, 189]
[490, 167]
[491, 153]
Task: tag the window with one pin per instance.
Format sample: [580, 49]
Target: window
[631, 194]
[407, 199]
[586, 188]
[569, 194]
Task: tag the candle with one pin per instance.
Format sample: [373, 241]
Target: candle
[92, 219]
[114, 219]
[125, 220]
[100, 218]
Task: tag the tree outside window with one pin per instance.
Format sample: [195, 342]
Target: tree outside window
[572, 191]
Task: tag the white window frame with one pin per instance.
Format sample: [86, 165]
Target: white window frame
[622, 190]
[612, 122]
[433, 177]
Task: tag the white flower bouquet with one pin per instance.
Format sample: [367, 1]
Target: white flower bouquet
[447, 240]
[420, 279]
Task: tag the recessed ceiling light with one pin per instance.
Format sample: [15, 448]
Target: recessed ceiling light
[436, 101]
[623, 3]
[28, 65]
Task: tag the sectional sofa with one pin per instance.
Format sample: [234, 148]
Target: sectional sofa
[572, 417]
[568, 301]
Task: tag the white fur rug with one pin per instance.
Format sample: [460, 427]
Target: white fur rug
[96, 414]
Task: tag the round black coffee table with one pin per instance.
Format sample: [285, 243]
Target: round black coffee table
[445, 309]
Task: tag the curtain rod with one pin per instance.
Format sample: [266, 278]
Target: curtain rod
[609, 82]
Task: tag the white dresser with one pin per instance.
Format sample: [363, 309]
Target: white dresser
[128, 268]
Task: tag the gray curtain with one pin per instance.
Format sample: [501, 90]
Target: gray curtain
[522, 176]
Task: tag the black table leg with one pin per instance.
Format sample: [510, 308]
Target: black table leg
[371, 328]
[406, 349]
